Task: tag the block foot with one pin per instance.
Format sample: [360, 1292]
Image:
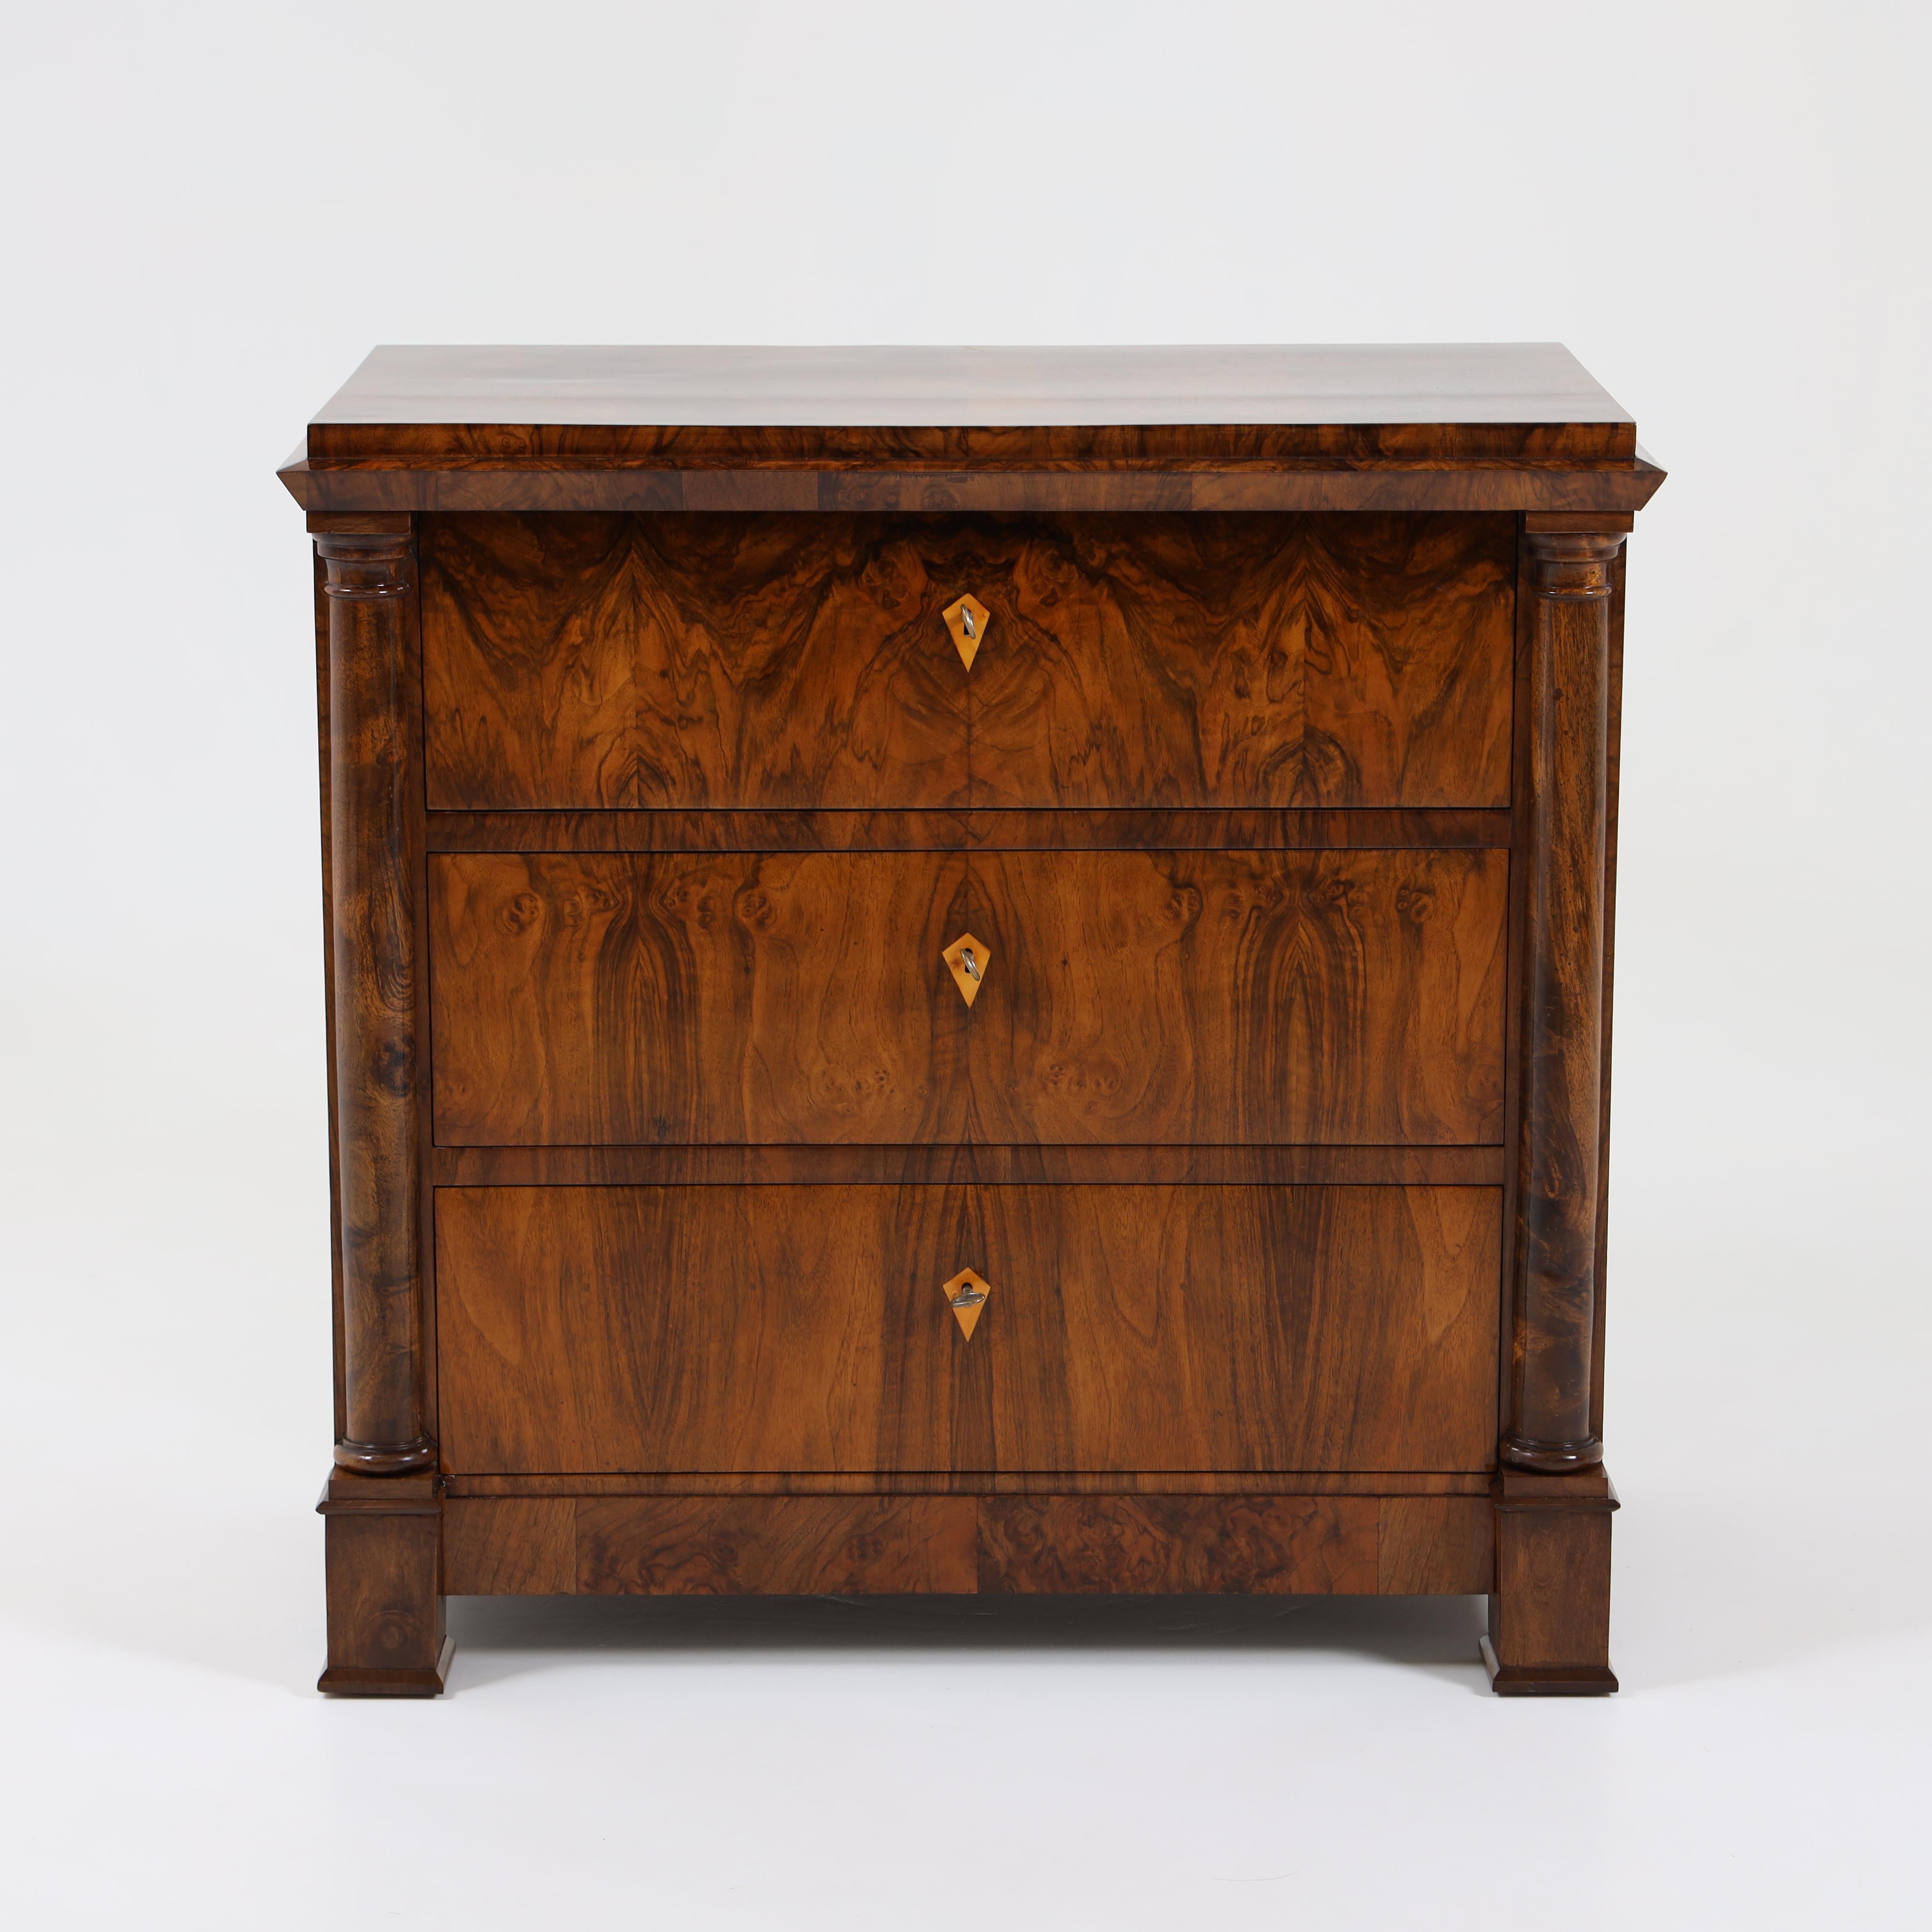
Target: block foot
[385, 1559]
[349, 1680]
[1547, 1680]
[1549, 1613]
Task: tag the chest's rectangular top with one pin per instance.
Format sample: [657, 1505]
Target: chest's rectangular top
[1482, 402]
[1457, 426]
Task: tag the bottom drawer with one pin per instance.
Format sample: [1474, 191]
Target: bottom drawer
[806, 1329]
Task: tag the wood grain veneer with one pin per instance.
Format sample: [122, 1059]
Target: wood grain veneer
[374, 847]
[1210, 1328]
[788, 661]
[1118, 829]
[387, 485]
[1141, 997]
[846, 1164]
[897, 408]
[1276, 793]
[1269, 1544]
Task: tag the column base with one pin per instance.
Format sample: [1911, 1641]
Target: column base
[373, 1459]
[1551, 1459]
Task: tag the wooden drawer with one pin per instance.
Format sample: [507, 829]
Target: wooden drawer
[1130, 997]
[806, 1329]
[799, 661]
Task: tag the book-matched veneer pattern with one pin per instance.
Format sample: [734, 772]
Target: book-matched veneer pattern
[1138, 997]
[1278, 791]
[802, 1328]
[801, 663]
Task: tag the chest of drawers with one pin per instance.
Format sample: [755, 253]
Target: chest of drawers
[960, 970]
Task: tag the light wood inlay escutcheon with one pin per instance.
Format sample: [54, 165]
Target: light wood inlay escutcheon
[967, 959]
[966, 1295]
[966, 618]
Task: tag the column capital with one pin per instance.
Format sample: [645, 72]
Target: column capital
[364, 565]
[1573, 563]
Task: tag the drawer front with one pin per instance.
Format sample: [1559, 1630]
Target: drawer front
[1127, 997]
[799, 660]
[806, 1329]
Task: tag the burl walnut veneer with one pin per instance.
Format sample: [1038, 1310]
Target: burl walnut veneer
[969, 971]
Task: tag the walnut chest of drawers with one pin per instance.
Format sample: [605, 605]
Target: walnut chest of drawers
[962, 970]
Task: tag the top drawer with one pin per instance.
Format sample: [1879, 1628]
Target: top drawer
[796, 660]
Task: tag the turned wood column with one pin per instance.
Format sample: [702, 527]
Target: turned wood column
[372, 866]
[1559, 1164]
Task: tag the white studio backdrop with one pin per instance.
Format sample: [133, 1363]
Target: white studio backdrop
[214, 210]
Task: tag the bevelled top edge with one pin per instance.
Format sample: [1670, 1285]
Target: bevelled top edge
[993, 389]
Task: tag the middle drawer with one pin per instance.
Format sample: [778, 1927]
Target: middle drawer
[1123, 996]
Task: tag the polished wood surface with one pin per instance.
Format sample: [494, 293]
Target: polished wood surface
[794, 998]
[802, 1546]
[1560, 1169]
[1243, 661]
[471, 485]
[1270, 1543]
[510, 1546]
[1273, 786]
[844, 1164]
[1470, 1485]
[1152, 997]
[1141, 997]
[383, 1550]
[713, 660]
[1611, 787]
[1158, 1545]
[587, 1329]
[1242, 1327]
[1435, 1545]
[1114, 830]
[1549, 1614]
[1177, 662]
[324, 607]
[373, 856]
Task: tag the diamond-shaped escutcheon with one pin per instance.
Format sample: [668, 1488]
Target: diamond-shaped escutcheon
[966, 1295]
[967, 959]
[967, 618]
